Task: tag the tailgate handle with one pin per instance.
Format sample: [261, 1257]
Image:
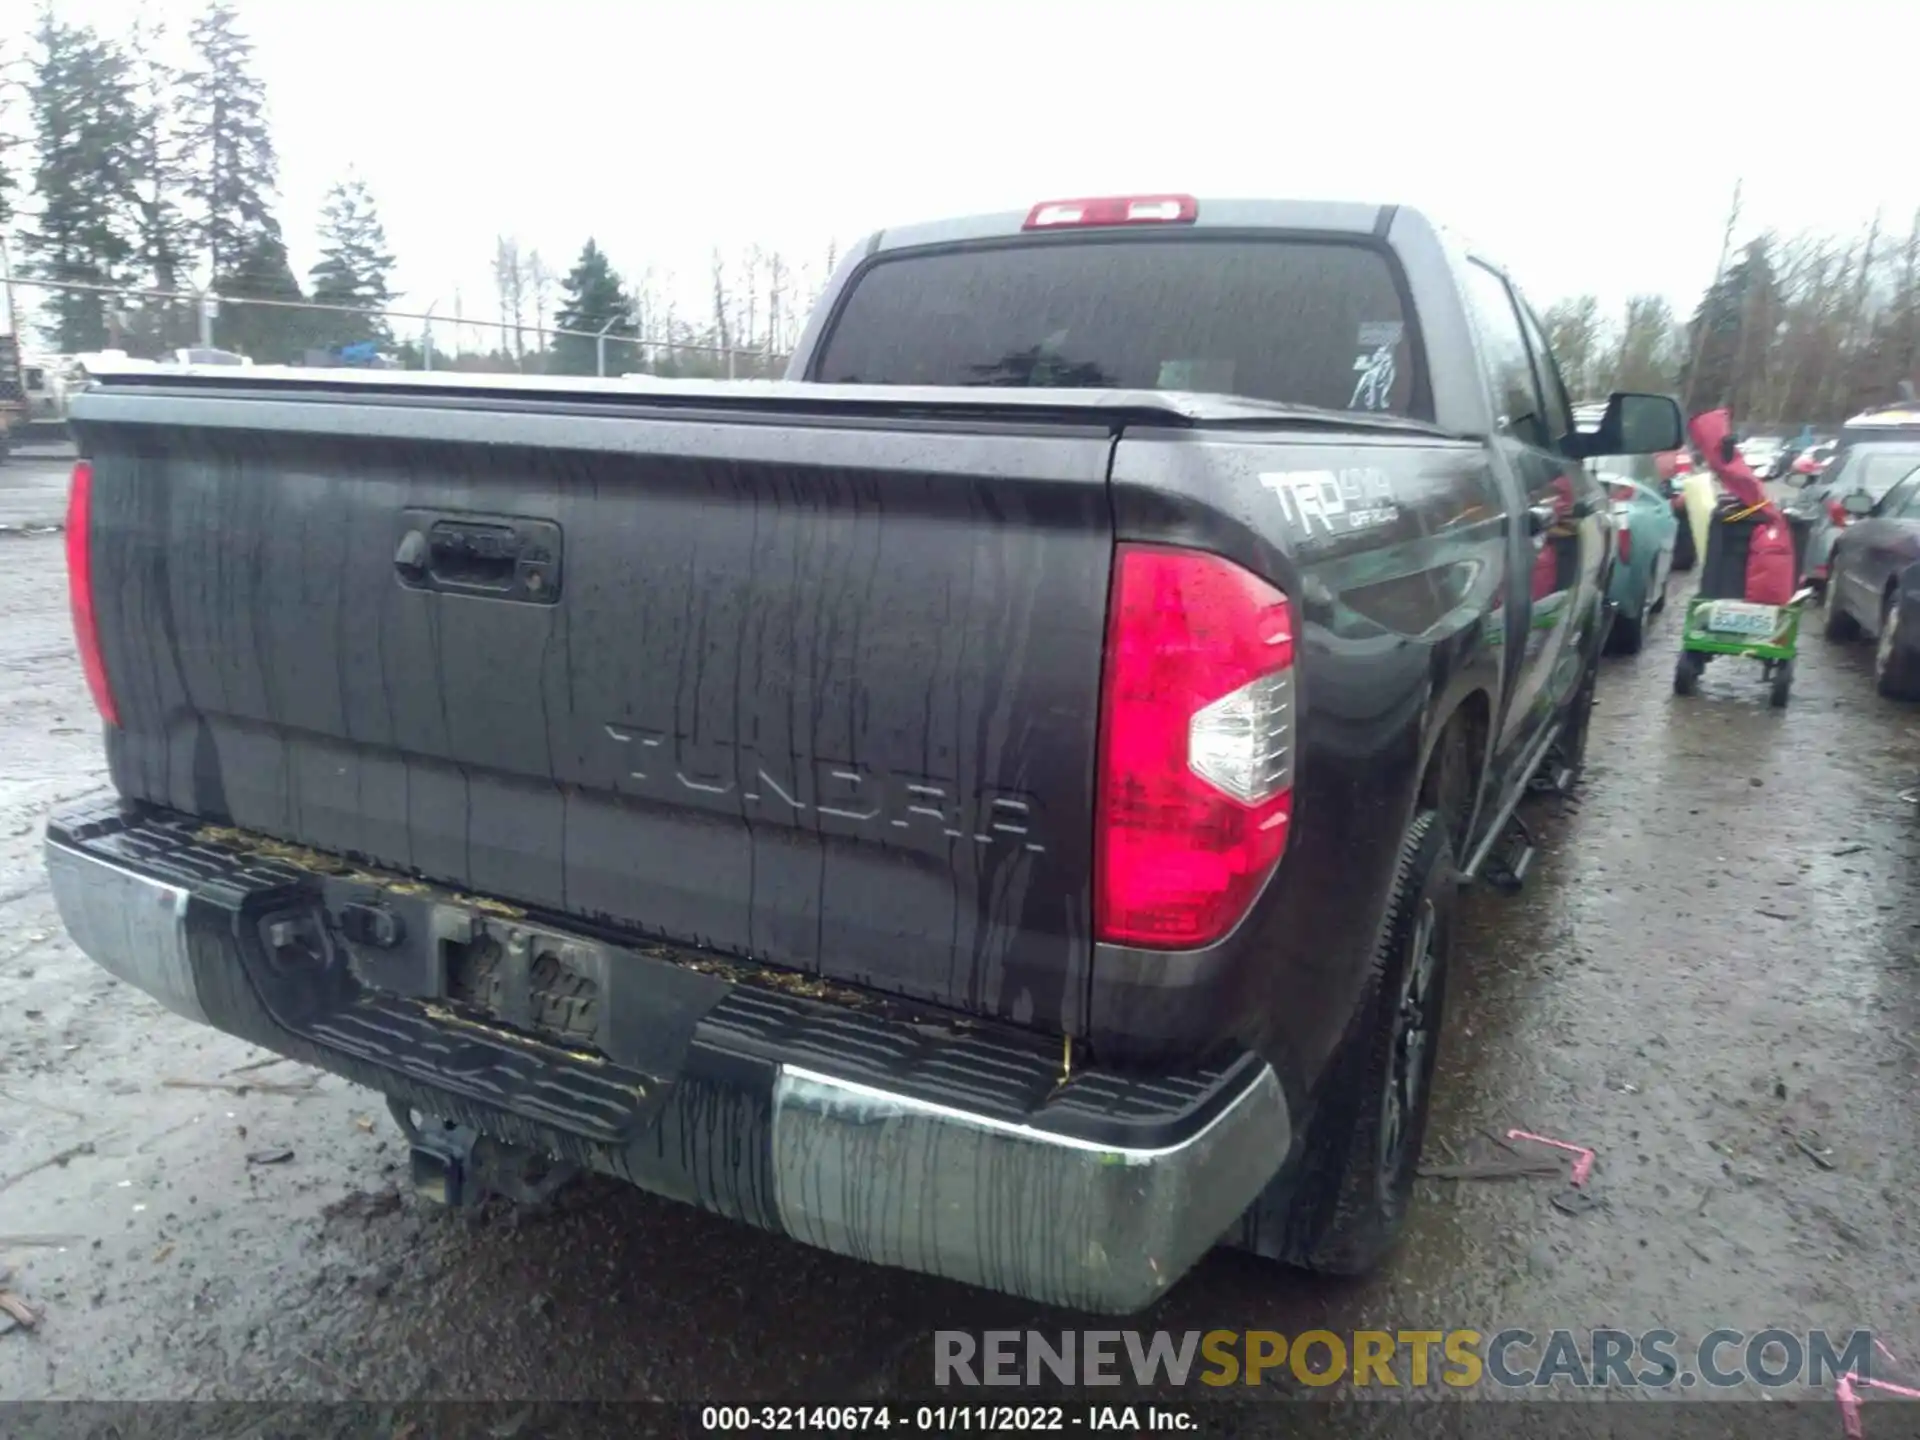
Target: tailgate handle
[499, 557]
[478, 555]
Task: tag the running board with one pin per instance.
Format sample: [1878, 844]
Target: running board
[1499, 831]
[1558, 781]
[1505, 868]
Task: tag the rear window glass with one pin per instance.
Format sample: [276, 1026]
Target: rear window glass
[1297, 321]
[1873, 470]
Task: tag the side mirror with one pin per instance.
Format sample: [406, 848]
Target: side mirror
[1634, 424]
[1858, 504]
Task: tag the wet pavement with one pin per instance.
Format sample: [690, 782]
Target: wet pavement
[1713, 979]
[33, 487]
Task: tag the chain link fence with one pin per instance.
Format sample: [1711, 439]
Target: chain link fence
[197, 326]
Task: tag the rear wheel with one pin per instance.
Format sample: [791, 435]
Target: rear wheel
[1782, 689]
[1895, 665]
[1686, 673]
[1683, 551]
[1838, 625]
[1629, 632]
[1362, 1152]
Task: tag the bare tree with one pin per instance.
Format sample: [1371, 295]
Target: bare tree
[539, 285]
[1573, 334]
[777, 281]
[722, 326]
[510, 286]
[751, 329]
[1648, 357]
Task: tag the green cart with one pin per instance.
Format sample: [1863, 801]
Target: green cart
[1767, 633]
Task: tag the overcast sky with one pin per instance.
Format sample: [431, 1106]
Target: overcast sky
[1582, 143]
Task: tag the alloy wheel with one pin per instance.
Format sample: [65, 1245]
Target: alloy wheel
[1413, 1040]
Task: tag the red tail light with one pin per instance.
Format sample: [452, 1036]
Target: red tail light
[1683, 464]
[1196, 747]
[1113, 210]
[1837, 513]
[1622, 493]
[86, 633]
[1626, 544]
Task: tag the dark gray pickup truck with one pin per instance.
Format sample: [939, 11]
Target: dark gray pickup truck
[992, 803]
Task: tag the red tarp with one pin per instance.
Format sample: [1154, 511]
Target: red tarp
[1769, 579]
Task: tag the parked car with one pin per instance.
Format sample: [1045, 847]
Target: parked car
[1818, 507]
[1887, 422]
[1646, 532]
[1875, 585]
[1814, 460]
[1760, 452]
[203, 355]
[992, 803]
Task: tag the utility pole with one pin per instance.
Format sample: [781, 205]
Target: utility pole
[6, 264]
[1706, 310]
[600, 347]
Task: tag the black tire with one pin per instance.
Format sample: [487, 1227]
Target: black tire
[1570, 752]
[1782, 688]
[1686, 673]
[1684, 555]
[1362, 1153]
[1896, 669]
[1629, 632]
[1838, 625]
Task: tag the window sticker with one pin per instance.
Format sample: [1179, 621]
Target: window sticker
[1376, 371]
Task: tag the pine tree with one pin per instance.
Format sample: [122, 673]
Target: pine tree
[355, 266]
[1731, 331]
[9, 164]
[163, 231]
[592, 299]
[232, 170]
[270, 334]
[86, 129]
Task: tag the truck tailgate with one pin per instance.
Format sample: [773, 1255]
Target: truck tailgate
[820, 693]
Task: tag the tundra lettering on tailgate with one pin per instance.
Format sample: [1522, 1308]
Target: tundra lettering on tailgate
[787, 789]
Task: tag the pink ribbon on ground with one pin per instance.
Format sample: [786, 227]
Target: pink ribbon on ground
[1582, 1165]
[1848, 1398]
[1849, 1404]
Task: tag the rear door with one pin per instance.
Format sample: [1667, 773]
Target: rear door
[1880, 546]
[1550, 540]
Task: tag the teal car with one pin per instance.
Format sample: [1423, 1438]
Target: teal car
[1646, 529]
